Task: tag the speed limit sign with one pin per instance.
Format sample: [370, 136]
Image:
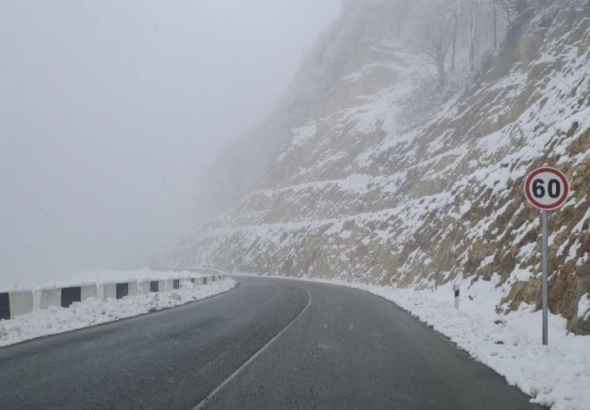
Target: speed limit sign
[546, 188]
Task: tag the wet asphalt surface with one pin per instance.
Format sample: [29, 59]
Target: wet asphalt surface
[342, 349]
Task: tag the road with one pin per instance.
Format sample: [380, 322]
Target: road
[268, 344]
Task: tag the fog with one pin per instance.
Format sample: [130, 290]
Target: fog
[111, 110]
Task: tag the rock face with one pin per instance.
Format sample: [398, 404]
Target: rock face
[382, 185]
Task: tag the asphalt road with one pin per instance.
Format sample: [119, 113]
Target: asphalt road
[268, 344]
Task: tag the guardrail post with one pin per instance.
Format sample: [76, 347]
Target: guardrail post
[457, 289]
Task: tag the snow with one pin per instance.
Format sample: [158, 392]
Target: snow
[584, 306]
[521, 275]
[573, 253]
[93, 312]
[556, 376]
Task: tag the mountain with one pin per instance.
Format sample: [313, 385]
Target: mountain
[388, 176]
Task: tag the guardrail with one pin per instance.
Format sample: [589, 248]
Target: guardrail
[16, 303]
[219, 274]
[22, 302]
[193, 269]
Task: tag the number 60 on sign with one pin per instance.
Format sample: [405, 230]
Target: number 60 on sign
[546, 188]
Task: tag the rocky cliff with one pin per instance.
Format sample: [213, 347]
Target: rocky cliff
[390, 181]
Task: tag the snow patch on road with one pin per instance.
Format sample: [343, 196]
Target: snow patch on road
[94, 312]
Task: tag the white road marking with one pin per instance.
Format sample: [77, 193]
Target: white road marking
[251, 359]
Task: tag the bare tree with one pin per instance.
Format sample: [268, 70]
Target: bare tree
[482, 28]
[455, 11]
[472, 6]
[513, 8]
[454, 30]
[434, 34]
[495, 22]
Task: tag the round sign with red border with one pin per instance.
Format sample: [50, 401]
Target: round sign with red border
[546, 188]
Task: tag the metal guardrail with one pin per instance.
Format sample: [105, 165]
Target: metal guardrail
[22, 302]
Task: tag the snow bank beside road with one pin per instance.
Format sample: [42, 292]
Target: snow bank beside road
[93, 312]
[556, 376]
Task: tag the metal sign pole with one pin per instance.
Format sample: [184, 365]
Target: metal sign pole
[545, 292]
[546, 189]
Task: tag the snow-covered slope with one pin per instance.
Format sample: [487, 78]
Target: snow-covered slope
[387, 184]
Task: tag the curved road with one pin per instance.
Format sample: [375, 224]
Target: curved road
[268, 344]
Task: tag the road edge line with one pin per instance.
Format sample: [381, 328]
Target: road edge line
[202, 403]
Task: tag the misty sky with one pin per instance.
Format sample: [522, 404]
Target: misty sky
[110, 109]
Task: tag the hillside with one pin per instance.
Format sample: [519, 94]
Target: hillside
[389, 180]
